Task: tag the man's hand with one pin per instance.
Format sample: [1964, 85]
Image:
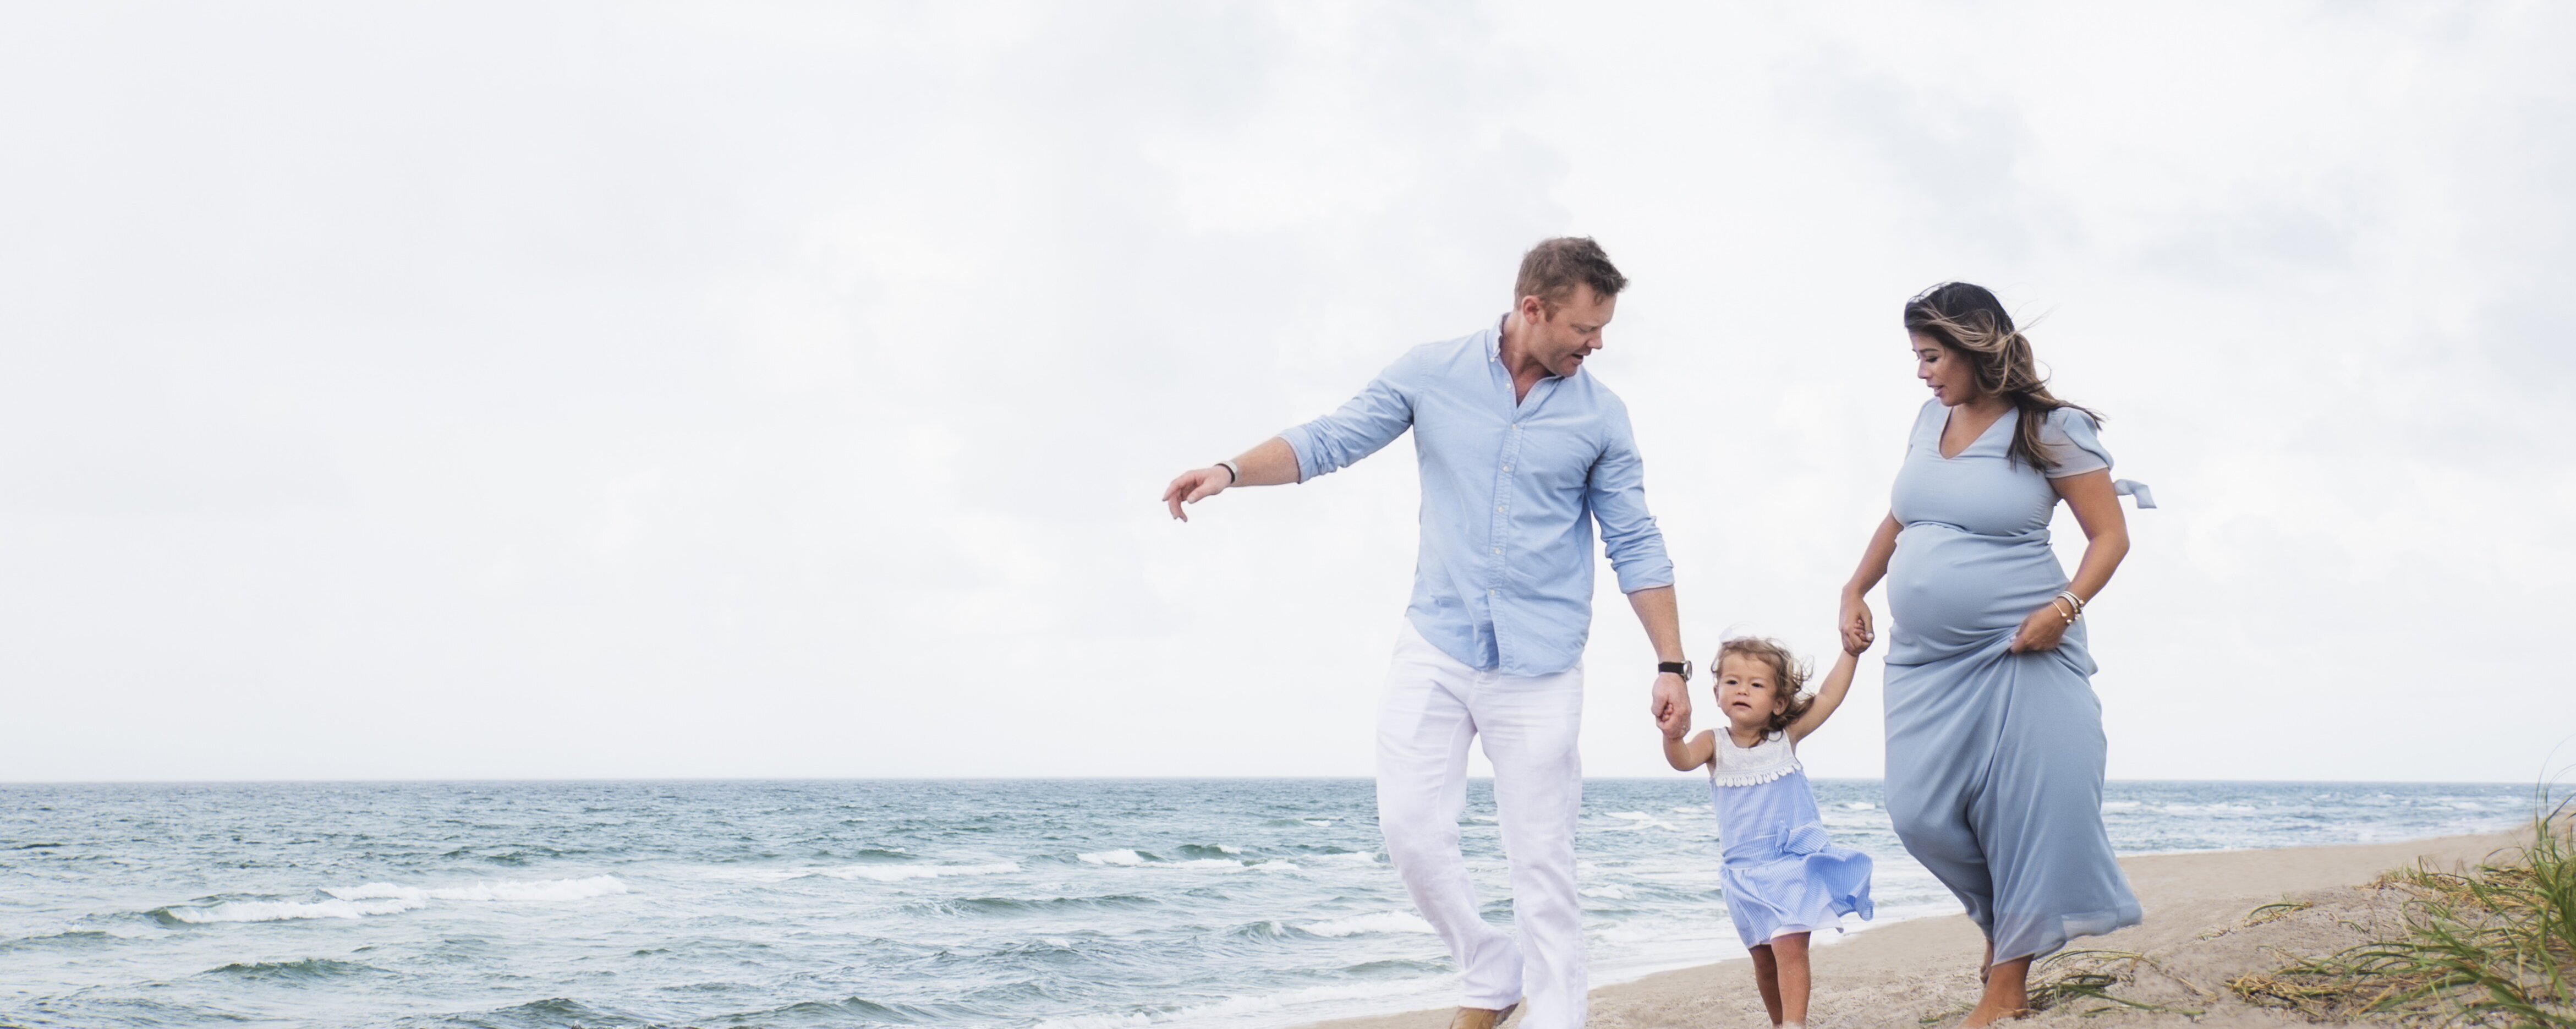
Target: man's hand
[1196, 485]
[1671, 706]
[1661, 617]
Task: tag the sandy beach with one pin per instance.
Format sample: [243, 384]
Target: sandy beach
[2197, 937]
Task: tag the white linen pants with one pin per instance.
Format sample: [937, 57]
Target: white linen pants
[1434, 706]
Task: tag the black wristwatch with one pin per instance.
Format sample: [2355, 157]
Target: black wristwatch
[1680, 668]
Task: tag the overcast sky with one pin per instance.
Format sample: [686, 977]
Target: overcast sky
[607, 390]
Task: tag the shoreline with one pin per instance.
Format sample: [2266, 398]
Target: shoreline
[1916, 971]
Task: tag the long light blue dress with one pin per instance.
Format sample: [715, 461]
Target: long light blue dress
[1782, 873]
[1994, 759]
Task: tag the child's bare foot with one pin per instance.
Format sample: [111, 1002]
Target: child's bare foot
[1985, 1015]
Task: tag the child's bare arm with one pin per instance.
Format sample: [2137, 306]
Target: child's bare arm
[1691, 753]
[1828, 696]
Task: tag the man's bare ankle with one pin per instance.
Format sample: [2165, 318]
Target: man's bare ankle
[1483, 1018]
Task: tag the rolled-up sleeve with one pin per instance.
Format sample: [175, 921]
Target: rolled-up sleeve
[1617, 493]
[1363, 426]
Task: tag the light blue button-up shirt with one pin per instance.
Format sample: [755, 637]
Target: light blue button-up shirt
[1509, 495]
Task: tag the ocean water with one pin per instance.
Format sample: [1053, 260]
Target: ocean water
[1022, 904]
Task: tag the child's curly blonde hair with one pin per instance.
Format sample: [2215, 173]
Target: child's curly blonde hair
[1788, 675]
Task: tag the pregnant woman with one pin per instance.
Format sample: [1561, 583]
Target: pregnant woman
[1994, 739]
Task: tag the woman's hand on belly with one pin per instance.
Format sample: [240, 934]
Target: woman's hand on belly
[2042, 630]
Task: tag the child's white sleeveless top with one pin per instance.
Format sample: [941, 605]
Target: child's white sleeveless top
[1773, 758]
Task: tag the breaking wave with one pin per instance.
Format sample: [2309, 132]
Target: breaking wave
[387, 899]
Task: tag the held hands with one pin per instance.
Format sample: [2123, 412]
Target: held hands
[1196, 485]
[1856, 646]
[1670, 706]
[1857, 631]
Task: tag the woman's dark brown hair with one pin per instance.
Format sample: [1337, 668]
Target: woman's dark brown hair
[1788, 675]
[1970, 323]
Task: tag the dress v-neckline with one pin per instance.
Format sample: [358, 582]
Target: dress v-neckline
[1946, 413]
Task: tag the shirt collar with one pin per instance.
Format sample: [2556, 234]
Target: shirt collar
[1494, 346]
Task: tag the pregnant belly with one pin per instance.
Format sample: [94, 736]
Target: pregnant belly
[1950, 591]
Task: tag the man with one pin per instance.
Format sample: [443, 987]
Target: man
[1521, 453]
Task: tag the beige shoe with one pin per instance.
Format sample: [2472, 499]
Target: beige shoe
[1482, 1018]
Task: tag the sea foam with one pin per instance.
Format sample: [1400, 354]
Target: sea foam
[285, 911]
[1128, 857]
[488, 890]
[899, 873]
[1381, 922]
[1238, 1007]
[391, 899]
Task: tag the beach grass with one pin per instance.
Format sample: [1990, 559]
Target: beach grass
[2081, 981]
[2492, 946]
[2277, 911]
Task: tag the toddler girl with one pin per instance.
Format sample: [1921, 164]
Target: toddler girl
[1783, 877]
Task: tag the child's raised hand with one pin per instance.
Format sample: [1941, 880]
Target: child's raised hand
[1856, 640]
[1674, 722]
[1857, 629]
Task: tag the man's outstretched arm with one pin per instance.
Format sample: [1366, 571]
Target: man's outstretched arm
[1272, 463]
[1368, 422]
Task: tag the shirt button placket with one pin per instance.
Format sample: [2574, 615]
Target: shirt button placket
[1501, 529]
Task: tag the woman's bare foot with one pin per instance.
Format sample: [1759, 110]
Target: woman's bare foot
[2007, 994]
